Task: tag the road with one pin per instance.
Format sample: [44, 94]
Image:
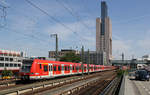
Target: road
[136, 87]
[142, 86]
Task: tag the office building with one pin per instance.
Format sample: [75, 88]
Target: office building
[104, 33]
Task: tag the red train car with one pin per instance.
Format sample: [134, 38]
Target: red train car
[44, 69]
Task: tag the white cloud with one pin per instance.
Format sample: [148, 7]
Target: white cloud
[122, 46]
[79, 33]
[144, 43]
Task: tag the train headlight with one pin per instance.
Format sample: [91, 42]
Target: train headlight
[36, 73]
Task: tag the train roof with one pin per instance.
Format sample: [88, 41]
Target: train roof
[49, 61]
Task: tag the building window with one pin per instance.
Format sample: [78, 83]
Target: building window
[1, 58]
[15, 65]
[45, 68]
[11, 65]
[19, 60]
[6, 65]
[19, 65]
[6, 59]
[1, 64]
[11, 59]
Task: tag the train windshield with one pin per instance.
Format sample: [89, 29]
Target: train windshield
[26, 65]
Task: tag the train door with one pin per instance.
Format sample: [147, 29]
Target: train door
[62, 69]
[70, 69]
[50, 69]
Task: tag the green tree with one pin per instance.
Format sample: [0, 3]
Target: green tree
[7, 73]
[71, 57]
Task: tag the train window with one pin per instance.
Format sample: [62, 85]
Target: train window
[40, 66]
[54, 68]
[94, 67]
[79, 67]
[59, 68]
[68, 68]
[49, 68]
[45, 68]
[76, 67]
[73, 68]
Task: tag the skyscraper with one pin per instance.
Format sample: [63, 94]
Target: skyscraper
[104, 33]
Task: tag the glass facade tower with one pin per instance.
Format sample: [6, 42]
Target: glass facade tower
[103, 16]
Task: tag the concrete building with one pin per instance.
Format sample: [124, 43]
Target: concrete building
[61, 53]
[10, 60]
[104, 33]
[97, 58]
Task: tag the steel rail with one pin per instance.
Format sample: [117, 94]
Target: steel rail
[32, 87]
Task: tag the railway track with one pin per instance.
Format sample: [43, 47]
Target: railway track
[91, 88]
[58, 89]
[43, 86]
[6, 83]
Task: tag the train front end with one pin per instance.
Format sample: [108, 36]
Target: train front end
[26, 68]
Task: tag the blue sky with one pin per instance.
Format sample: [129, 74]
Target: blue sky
[28, 29]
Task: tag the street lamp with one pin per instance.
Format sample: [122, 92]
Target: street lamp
[56, 52]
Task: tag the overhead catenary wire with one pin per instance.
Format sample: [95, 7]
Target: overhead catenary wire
[86, 7]
[53, 18]
[56, 20]
[32, 37]
[71, 11]
[26, 35]
[3, 16]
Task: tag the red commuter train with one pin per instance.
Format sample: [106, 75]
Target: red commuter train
[34, 69]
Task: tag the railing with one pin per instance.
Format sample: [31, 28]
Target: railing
[122, 87]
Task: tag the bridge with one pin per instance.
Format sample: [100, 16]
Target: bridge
[128, 62]
[132, 63]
